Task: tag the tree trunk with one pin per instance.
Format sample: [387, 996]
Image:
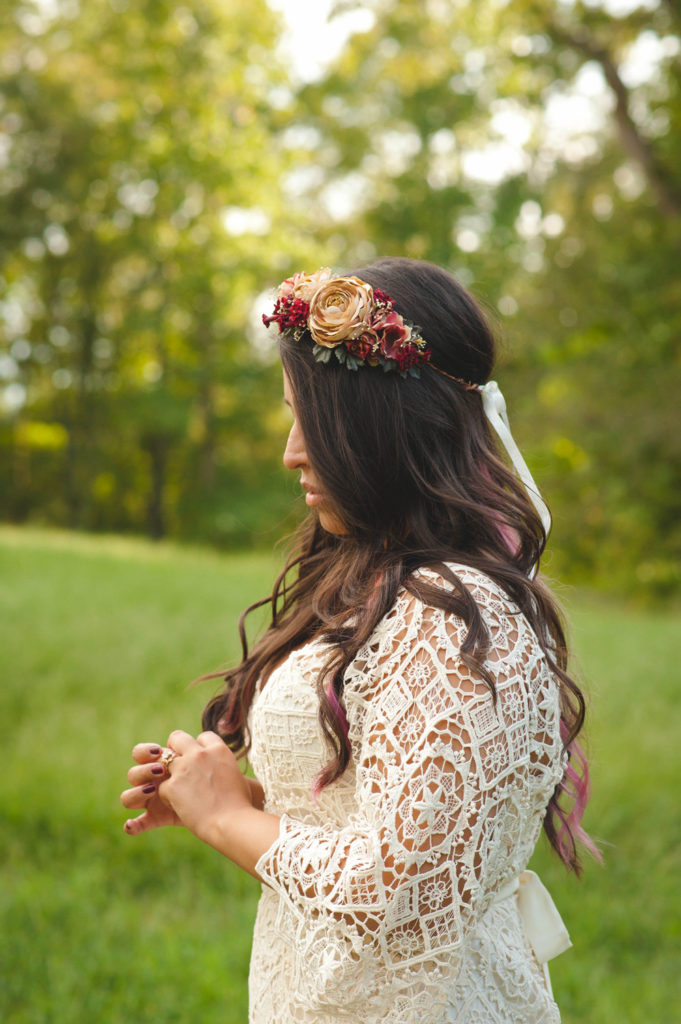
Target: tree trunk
[634, 143]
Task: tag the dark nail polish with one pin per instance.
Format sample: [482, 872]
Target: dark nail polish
[154, 751]
[158, 769]
[149, 789]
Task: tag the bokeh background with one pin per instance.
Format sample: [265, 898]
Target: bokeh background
[163, 166]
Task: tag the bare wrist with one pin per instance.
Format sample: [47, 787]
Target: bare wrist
[242, 833]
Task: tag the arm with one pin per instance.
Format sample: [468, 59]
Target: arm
[204, 790]
[423, 808]
[416, 866]
[257, 793]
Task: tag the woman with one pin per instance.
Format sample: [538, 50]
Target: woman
[408, 713]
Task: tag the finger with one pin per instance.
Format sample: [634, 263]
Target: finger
[135, 826]
[143, 753]
[141, 774]
[182, 742]
[210, 739]
[138, 797]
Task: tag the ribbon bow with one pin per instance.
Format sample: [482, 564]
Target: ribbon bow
[542, 923]
[494, 406]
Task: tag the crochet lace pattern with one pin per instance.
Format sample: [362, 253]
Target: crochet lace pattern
[379, 900]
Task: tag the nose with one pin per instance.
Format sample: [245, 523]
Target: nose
[295, 456]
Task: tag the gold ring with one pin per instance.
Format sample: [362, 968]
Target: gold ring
[167, 758]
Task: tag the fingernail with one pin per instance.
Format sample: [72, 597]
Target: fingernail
[149, 789]
[158, 769]
[154, 751]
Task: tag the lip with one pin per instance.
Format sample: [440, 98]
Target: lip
[313, 497]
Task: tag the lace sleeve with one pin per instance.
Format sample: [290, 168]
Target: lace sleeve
[441, 778]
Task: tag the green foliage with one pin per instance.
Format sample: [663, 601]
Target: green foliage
[159, 167]
[446, 119]
[139, 185]
[101, 637]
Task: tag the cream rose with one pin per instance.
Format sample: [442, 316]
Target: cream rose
[303, 286]
[339, 310]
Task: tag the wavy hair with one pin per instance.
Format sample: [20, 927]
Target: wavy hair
[412, 468]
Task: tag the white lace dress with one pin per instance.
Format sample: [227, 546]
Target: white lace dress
[388, 898]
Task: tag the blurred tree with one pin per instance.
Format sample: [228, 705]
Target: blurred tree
[156, 173]
[142, 214]
[534, 149]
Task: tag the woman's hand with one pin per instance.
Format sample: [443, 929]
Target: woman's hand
[204, 782]
[204, 789]
[145, 778]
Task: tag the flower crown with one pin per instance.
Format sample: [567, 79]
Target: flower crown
[348, 318]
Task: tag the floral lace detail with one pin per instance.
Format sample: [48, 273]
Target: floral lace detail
[379, 899]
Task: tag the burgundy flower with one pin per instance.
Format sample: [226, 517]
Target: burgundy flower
[290, 313]
[349, 312]
[411, 355]
[392, 331]
[382, 299]
[362, 347]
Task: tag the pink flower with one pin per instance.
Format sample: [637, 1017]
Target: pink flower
[287, 287]
[303, 286]
[393, 332]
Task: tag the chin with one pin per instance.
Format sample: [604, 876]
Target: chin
[332, 524]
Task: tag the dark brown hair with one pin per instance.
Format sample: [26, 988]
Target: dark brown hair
[413, 470]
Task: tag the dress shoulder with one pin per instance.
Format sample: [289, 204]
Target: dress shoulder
[413, 622]
[484, 590]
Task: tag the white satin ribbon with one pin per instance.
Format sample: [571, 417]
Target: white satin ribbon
[542, 923]
[494, 406]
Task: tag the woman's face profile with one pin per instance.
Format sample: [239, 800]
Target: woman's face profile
[296, 458]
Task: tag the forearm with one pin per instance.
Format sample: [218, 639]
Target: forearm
[257, 793]
[243, 835]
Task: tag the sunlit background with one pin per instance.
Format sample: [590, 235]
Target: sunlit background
[163, 165]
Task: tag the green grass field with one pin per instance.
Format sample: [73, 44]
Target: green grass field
[99, 638]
